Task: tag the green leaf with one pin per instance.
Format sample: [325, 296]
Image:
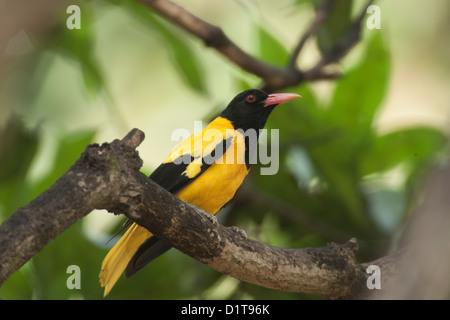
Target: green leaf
[413, 146]
[302, 2]
[349, 122]
[360, 92]
[183, 57]
[335, 26]
[69, 150]
[187, 63]
[19, 286]
[271, 49]
[337, 170]
[17, 148]
[78, 44]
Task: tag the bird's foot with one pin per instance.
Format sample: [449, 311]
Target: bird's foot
[241, 232]
[209, 216]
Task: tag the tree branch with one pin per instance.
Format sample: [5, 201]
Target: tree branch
[214, 37]
[108, 177]
[274, 78]
[90, 183]
[342, 47]
[321, 15]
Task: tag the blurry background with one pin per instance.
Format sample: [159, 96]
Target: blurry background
[354, 152]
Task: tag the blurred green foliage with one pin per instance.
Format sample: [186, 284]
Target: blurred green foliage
[336, 25]
[334, 166]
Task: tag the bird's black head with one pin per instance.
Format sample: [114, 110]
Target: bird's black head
[251, 108]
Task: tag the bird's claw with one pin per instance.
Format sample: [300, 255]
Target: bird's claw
[241, 232]
[209, 216]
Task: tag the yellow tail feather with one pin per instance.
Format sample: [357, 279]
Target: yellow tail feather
[118, 257]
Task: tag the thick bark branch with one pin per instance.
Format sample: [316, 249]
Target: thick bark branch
[108, 177]
[89, 184]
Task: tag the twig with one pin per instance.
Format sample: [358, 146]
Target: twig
[321, 15]
[274, 78]
[340, 49]
[214, 37]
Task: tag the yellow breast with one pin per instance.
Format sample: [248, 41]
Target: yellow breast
[217, 185]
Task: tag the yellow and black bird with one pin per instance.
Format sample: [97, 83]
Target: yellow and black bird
[204, 170]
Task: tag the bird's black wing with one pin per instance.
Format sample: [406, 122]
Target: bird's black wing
[171, 176]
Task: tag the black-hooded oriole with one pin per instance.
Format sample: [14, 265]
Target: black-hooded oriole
[204, 170]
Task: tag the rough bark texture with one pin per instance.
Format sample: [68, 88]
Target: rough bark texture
[108, 177]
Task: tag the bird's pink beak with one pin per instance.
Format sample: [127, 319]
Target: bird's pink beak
[279, 98]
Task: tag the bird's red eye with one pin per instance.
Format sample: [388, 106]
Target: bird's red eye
[250, 98]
